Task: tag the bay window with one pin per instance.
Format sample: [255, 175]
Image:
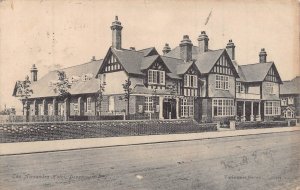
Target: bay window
[222, 82]
[223, 107]
[272, 108]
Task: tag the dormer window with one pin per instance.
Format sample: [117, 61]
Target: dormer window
[86, 77]
[190, 81]
[156, 77]
[74, 79]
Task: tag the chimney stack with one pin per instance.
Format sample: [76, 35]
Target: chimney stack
[203, 42]
[166, 49]
[116, 28]
[132, 48]
[231, 49]
[33, 72]
[93, 58]
[186, 48]
[262, 56]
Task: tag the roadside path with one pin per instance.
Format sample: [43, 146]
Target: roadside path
[74, 144]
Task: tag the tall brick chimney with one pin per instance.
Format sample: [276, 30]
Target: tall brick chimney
[262, 56]
[33, 72]
[230, 47]
[186, 48]
[166, 49]
[116, 28]
[203, 42]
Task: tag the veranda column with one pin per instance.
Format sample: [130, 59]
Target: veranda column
[67, 108]
[161, 100]
[44, 107]
[251, 116]
[80, 106]
[34, 108]
[258, 117]
[177, 107]
[244, 112]
[55, 110]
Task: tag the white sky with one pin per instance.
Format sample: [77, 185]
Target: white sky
[70, 32]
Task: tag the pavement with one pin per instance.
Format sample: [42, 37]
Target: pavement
[75, 144]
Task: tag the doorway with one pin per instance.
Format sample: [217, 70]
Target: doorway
[169, 109]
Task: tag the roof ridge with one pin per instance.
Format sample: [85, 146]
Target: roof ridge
[171, 57]
[256, 63]
[78, 65]
[146, 48]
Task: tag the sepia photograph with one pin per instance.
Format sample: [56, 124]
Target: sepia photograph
[150, 94]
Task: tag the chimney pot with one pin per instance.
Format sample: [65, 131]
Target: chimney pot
[132, 48]
[166, 49]
[263, 56]
[93, 58]
[186, 47]
[116, 28]
[33, 72]
[203, 42]
[230, 47]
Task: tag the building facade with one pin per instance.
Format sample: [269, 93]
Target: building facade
[290, 98]
[188, 81]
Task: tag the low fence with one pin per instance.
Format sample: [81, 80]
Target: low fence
[264, 124]
[43, 131]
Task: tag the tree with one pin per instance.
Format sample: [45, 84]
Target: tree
[24, 92]
[100, 94]
[62, 87]
[127, 93]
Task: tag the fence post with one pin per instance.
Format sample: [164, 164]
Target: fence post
[218, 125]
[232, 124]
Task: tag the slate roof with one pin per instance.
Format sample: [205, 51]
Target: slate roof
[205, 61]
[254, 72]
[41, 87]
[290, 87]
[147, 61]
[175, 53]
[147, 51]
[130, 60]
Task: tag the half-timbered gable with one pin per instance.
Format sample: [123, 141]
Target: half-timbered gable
[273, 75]
[111, 64]
[190, 81]
[224, 66]
[156, 74]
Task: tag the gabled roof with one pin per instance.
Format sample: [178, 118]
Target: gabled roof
[288, 108]
[254, 72]
[172, 64]
[41, 87]
[148, 51]
[147, 61]
[175, 53]
[205, 61]
[291, 87]
[129, 59]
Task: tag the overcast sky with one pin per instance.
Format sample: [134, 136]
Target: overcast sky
[70, 32]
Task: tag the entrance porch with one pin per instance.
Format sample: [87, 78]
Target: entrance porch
[168, 107]
[248, 110]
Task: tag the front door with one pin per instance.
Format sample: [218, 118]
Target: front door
[169, 109]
